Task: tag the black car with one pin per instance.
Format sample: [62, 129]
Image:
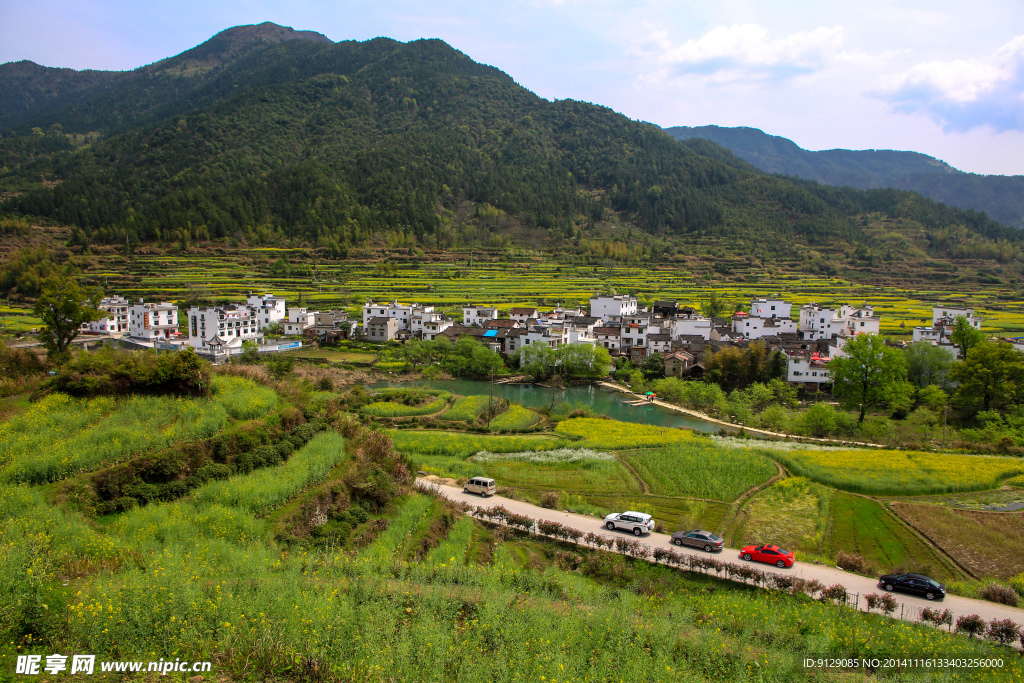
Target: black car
[916, 584]
[698, 538]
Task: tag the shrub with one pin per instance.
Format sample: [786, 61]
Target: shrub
[936, 617]
[834, 593]
[971, 624]
[1003, 631]
[110, 372]
[993, 592]
[853, 562]
[885, 602]
[549, 499]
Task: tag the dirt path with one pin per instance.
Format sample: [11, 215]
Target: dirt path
[909, 607]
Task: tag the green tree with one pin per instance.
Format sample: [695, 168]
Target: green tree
[714, 306]
[654, 366]
[582, 361]
[991, 378]
[63, 306]
[870, 373]
[250, 353]
[927, 364]
[537, 360]
[470, 358]
[965, 336]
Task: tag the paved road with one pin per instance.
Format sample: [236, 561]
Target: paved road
[909, 605]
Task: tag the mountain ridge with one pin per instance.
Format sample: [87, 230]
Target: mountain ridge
[1001, 197]
[337, 145]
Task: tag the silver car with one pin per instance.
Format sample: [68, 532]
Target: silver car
[698, 538]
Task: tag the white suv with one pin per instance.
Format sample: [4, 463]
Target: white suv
[637, 522]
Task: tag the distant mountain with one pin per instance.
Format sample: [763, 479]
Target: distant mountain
[1002, 197]
[265, 135]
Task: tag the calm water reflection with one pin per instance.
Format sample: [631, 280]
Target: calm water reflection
[598, 399]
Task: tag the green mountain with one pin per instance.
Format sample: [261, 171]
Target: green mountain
[1002, 197]
[268, 135]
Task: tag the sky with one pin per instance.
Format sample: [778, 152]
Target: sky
[941, 77]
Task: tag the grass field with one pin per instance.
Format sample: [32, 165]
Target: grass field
[614, 435]
[462, 445]
[792, 513]
[700, 469]
[394, 409]
[864, 527]
[987, 543]
[515, 417]
[467, 408]
[243, 398]
[60, 436]
[265, 489]
[333, 355]
[588, 479]
[885, 472]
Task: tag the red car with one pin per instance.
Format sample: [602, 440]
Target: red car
[772, 554]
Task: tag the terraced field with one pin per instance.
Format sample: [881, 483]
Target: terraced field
[524, 279]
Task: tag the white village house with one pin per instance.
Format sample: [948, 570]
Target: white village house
[152, 322]
[117, 320]
[223, 326]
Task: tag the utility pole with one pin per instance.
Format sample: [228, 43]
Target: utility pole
[490, 401]
[945, 410]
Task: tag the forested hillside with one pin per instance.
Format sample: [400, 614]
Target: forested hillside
[1002, 197]
[266, 135]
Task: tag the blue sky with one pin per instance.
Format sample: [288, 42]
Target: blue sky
[941, 77]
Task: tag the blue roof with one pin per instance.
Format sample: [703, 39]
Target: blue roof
[491, 333]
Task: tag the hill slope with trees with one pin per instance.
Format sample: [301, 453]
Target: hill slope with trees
[267, 135]
[1001, 197]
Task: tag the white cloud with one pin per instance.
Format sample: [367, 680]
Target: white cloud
[965, 93]
[743, 52]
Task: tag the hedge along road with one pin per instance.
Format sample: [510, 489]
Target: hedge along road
[909, 606]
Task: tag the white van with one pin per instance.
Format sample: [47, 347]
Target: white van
[480, 486]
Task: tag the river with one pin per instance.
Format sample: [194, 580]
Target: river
[597, 399]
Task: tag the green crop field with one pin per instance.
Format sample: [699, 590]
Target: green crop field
[602, 479]
[395, 409]
[60, 436]
[515, 417]
[265, 489]
[518, 278]
[207, 577]
[333, 355]
[612, 434]
[887, 472]
[462, 445]
[700, 469]
[243, 398]
[864, 527]
[792, 513]
[467, 408]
